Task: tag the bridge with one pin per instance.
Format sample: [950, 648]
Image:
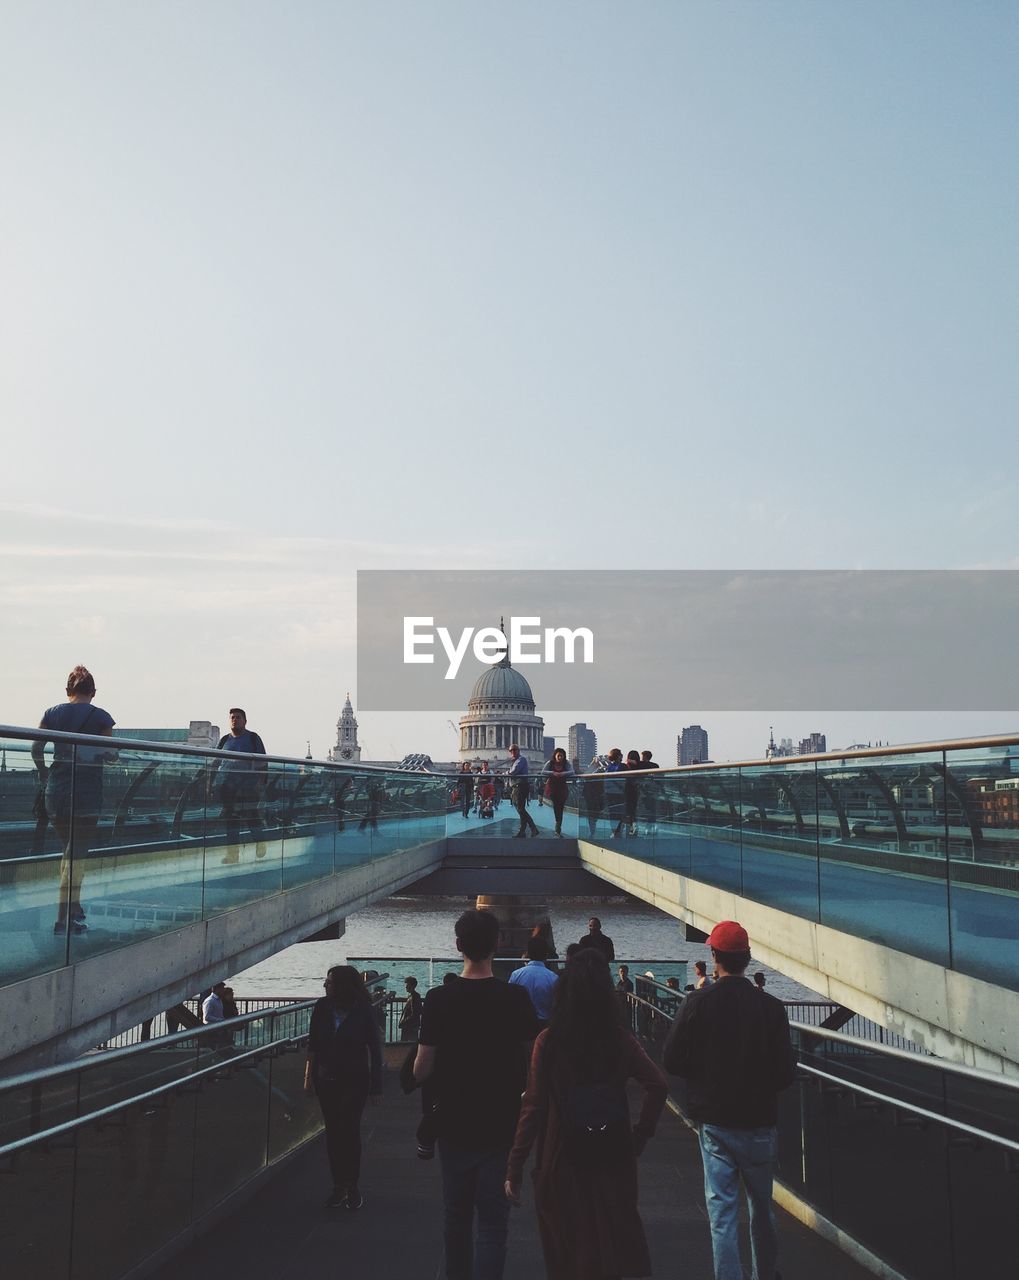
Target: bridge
[887, 880]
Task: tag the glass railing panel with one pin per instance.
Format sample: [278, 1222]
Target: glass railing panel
[244, 842]
[804, 1156]
[361, 809]
[778, 808]
[714, 827]
[133, 871]
[106, 1082]
[879, 1160]
[309, 826]
[983, 861]
[32, 1106]
[672, 832]
[294, 1115]
[133, 1185]
[883, 870]
[30, 863]
[983, 1195]
[37, 1211]
[230, 1130]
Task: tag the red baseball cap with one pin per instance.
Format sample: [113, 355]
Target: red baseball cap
[728, 935]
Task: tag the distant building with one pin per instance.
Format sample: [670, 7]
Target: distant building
[199, 733]
[814, 745]
[583, 746]
[692, 745]
[784, 747]
[347, 749]
[500, 711]
[547, 747]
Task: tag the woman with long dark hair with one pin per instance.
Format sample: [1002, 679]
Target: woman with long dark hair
[344, 1068]
[558, 774]
[576, 1112]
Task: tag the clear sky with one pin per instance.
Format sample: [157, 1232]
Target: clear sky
[288, 291]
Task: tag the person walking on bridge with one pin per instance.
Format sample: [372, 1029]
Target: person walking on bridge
[73, 788]
[577, 1113]
[474, 1035]
[521, 791]
[730, 1042]
[240, 785]
[344, 1069]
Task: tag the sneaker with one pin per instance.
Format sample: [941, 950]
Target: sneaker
[337, 1199]
[354, 1200]
[426, 1152]
[60, 926]
[78, 917]
[79, 927]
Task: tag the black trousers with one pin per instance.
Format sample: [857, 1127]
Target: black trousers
[521, 794]
[342, 1105]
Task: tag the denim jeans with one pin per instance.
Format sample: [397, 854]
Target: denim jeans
[474, 1180]
[730, 1155]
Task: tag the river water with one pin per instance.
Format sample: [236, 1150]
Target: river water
[399, 935]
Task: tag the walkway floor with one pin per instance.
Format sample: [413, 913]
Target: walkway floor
[283, 1233]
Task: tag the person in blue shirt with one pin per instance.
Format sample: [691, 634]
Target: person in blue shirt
[538, 981]
[73, 788]
[520, 791]
[240, 785]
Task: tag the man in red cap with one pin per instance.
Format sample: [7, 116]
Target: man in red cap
[730, 1042]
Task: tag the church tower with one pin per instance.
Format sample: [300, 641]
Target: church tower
[346, 750]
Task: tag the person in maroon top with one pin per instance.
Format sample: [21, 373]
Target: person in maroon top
[586, 1197]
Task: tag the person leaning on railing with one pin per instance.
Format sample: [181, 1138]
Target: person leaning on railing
[73, 788]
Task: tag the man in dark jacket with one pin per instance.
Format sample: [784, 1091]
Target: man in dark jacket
[601, 941]
[730, 1042]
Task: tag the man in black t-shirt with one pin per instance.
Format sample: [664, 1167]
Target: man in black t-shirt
[474, 1035]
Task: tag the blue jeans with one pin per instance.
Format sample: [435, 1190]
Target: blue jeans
[728, 1156]
[474, 1180]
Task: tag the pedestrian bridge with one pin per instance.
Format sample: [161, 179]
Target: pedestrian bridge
[887, 880]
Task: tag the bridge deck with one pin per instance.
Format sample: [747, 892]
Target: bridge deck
[282, 1232]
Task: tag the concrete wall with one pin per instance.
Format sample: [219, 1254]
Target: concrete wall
[57, 1016]
[957, 1017]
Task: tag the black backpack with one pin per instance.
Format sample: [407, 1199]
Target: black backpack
[595, 1122]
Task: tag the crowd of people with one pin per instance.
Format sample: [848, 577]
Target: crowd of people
[539, 1065]
[479, 791]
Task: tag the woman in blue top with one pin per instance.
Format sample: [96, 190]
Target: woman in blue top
[74, 788]
[344, 1067]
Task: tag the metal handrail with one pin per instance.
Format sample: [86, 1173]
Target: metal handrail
[224, 1064]
[68, 1126]
[889, 1051]
[863, 753]
[984, 1076]
[185, 748]
[162, 1042]
[873, 1047]
[980, 1134]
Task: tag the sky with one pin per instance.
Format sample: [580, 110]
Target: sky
[289, 292]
